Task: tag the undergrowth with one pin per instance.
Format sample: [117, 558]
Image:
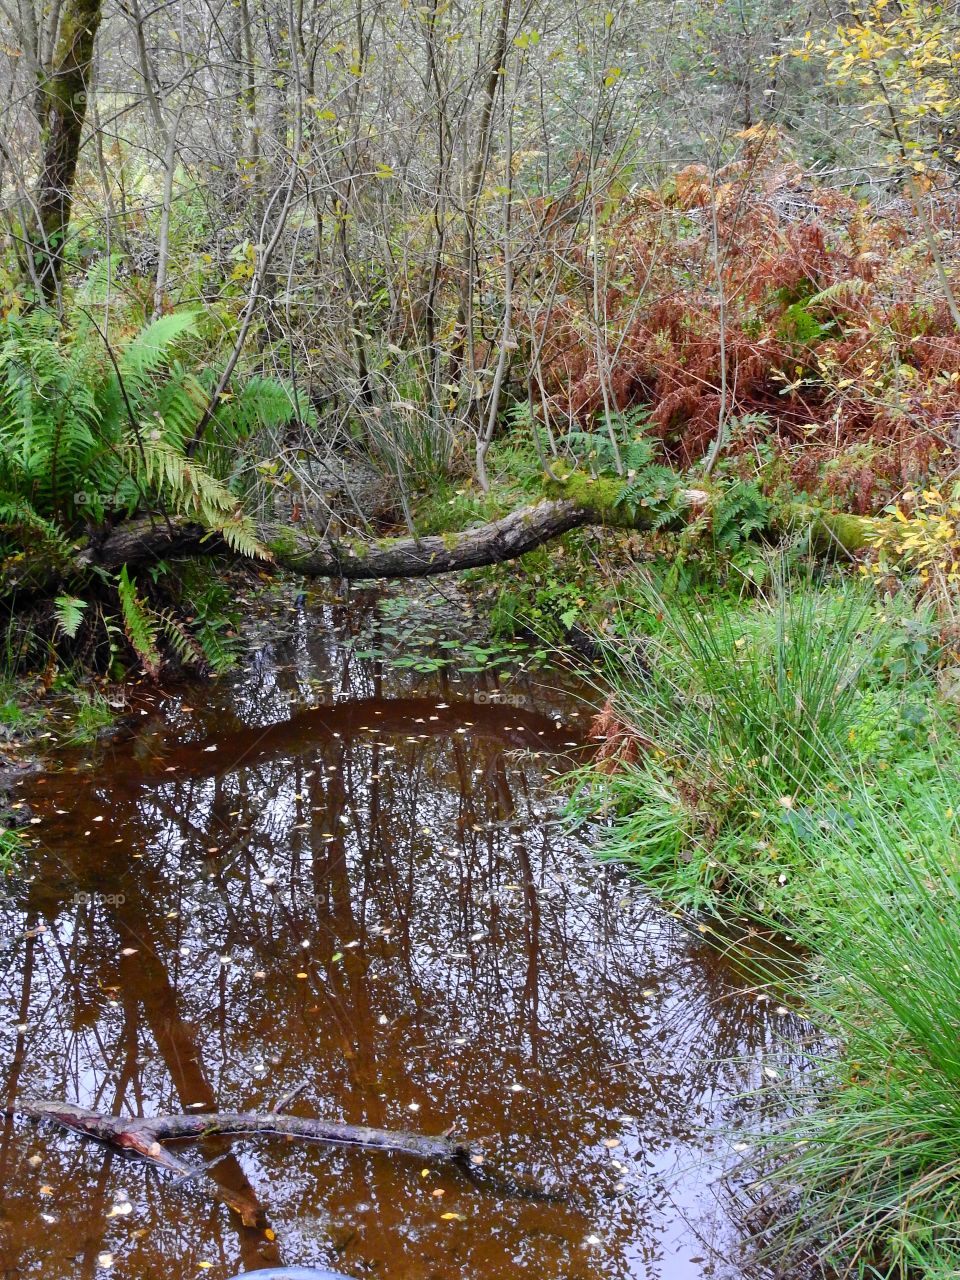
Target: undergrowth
[866, 1171]
[789, 752]
[728, 719]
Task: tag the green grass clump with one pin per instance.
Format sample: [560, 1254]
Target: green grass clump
[790, 754]
[742, 719]
[868, 1166]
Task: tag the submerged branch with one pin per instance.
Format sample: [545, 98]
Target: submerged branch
[144, 1136]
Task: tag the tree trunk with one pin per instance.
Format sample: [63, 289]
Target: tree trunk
[145, 541]
[63, 102]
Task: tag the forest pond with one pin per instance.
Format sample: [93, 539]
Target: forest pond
[330, 873]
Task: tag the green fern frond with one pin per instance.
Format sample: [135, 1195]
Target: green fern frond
[151, 349]
[187, 648]
[140, 626]
[28, 527]
[220, 654]
[178, 405]
[69, 614]
[652, 486]
[239, 534]
[190, 489]
[840, 291]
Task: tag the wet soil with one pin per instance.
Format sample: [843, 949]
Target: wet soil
[328, 873]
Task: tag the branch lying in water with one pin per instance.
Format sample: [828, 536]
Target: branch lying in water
[143, 1136]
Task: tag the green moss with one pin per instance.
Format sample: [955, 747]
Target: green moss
[831, 529]
[283, 543]
[604, 494]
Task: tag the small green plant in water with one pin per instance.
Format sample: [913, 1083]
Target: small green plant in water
[423, 635]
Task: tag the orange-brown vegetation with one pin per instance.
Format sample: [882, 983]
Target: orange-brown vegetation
[813, 323]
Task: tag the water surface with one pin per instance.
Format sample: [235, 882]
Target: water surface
[330, 874]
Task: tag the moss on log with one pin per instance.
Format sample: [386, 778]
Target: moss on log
[572, 502]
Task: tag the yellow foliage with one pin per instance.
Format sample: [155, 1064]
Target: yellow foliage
[905, 57]
[924, 538]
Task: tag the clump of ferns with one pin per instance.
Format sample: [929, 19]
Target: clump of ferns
[96, 429]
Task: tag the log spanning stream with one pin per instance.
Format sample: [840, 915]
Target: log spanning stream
[327, 876]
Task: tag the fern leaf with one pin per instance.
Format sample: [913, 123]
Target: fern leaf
[150, 349]
[69, 614]
[28, 527]
[218, 651]
[192, 491]
[187, 648]
[141, 627]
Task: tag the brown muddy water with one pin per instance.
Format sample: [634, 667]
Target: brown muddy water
[328, 873]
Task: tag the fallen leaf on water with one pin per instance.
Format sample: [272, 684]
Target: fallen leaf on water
[129, 951]
[105, 1260]
[448, 1217]
[301, 974]
[438, 1192]
[610, 1143]
[270, 1233]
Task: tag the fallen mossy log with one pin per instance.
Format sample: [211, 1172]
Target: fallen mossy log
[145, 541]
[587, 502]
[144, 1135]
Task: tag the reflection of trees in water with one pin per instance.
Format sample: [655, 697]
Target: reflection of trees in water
[455, 943]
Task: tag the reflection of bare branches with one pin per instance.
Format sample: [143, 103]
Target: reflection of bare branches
[462, 956]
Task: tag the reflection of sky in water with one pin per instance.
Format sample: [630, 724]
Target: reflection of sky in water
[395, 917]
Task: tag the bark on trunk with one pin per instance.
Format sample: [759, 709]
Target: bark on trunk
[139, 542]
[63, 101]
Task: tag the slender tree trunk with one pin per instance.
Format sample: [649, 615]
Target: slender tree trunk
[63, 97]
[461, 354]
